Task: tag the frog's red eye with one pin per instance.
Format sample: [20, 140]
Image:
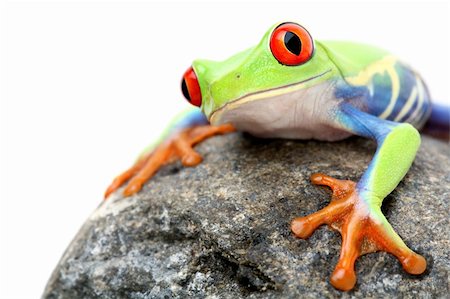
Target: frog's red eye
[191, 88]
[291, 44]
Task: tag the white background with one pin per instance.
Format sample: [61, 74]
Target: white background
[85, 86]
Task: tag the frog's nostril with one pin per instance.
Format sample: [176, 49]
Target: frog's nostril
[191, 87]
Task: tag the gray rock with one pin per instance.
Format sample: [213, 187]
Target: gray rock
[221, 229]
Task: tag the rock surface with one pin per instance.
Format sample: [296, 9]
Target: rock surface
[221, 229]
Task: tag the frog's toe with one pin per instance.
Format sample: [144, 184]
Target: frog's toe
[134, 186]
[340, 188]
[303, 227]
[125, 176]
[388, 240]
[343, 279]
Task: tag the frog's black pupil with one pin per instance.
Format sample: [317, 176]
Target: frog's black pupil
[185, 90]
[293, 43]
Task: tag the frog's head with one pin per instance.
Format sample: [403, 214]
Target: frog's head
[286, 60]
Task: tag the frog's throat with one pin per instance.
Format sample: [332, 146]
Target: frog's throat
[260, 95]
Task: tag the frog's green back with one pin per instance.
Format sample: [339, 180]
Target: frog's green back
[352, 57]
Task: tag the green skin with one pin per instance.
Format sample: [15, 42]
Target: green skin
[259, 71]
[254, 75]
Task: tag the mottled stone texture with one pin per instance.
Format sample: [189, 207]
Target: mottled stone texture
[221, 230]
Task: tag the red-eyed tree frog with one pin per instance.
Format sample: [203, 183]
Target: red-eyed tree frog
[291, 86]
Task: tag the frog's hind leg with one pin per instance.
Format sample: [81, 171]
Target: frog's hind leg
[175, 144]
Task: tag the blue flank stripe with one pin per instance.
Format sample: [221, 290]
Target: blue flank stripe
[382, 90]
[347, 92]
[407, 84]
[413, 108]
[377, 102]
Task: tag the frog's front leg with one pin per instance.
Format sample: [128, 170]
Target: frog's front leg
[178, 143]
[355, 209]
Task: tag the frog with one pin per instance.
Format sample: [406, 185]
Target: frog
[292, 86]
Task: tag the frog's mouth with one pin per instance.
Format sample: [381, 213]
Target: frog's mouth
[219, 116]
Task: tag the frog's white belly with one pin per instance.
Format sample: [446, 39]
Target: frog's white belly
[298, 114]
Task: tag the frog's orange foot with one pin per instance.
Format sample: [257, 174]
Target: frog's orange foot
[178, 146]
[363, 227]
